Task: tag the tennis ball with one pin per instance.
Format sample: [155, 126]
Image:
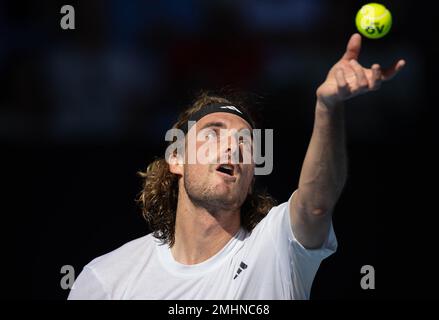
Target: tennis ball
[373, 20]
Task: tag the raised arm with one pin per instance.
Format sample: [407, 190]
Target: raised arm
[324, 170]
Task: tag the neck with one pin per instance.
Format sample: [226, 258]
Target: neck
[200, 234]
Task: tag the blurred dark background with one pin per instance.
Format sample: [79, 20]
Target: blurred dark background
[81, 111]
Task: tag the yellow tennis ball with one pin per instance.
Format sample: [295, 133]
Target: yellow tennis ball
[373, 20]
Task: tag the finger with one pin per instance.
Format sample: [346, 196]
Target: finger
[362, 82]
[375, 81]
[342, 84]
[353, 48]
[389, 73]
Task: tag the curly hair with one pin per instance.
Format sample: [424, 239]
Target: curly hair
[159, 195]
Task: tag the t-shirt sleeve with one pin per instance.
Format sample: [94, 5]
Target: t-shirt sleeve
[303, 263]
[88, 287]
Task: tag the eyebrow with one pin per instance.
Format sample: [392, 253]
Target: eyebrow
[221, 124]
[214, 124]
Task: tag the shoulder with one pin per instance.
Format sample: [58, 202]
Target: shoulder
[275, 217]
[107, 276]
[125, 256]
[270, 229]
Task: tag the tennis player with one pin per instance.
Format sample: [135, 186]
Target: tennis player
[214, 235]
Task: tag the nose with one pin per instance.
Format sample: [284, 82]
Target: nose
[231, 151]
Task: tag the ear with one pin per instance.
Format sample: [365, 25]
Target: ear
[175, 162]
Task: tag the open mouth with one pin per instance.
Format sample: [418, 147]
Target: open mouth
[226, 168]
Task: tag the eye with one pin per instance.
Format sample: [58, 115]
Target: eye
[245, 141]
[210, 135]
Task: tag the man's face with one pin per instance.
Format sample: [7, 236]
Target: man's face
[222, 175]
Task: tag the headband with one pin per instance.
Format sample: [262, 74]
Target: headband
[217, 107]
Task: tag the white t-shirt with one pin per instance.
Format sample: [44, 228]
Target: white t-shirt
[268, 263]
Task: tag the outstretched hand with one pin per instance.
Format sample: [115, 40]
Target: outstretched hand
[347, 78]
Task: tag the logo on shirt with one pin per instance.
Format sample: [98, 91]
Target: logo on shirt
[242, 266]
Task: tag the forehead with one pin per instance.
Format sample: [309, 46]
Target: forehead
[228, 119]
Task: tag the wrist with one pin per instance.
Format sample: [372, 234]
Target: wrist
[328, 105]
